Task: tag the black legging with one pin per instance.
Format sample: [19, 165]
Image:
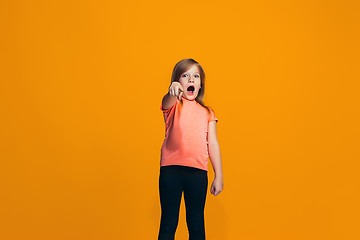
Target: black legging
[173, 180]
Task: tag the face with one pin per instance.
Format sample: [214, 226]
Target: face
[191, 83]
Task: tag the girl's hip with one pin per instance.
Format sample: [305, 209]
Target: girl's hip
[180, 169]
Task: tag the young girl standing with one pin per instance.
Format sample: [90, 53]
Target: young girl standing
[190, 138]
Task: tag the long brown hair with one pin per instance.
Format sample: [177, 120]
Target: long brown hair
[181, 67]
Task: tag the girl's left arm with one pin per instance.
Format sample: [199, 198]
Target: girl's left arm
[215, 158]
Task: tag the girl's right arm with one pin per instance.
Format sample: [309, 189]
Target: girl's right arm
[175, 92]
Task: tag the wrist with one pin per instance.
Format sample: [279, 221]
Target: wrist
[218, 175]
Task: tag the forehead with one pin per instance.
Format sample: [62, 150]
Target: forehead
[193, 69]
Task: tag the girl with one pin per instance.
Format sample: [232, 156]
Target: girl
[190, 138]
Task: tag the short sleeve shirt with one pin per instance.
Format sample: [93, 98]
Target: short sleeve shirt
[186, 134]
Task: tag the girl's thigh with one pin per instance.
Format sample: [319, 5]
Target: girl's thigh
[170, 189]
[195, 190]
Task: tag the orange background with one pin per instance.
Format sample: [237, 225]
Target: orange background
[81, 129]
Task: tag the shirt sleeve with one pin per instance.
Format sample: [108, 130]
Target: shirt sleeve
[169, 109]
[168, 115]
[212, 116]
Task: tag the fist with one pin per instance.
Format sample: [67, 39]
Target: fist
[176, 90]
[217, 186]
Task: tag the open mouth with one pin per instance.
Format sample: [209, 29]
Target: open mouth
[190, 90]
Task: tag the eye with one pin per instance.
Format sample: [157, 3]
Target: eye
[197, 75]
[184, 75]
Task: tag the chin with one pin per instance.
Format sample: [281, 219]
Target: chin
[191, 97]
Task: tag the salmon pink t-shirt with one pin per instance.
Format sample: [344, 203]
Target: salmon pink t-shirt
[186, 134]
